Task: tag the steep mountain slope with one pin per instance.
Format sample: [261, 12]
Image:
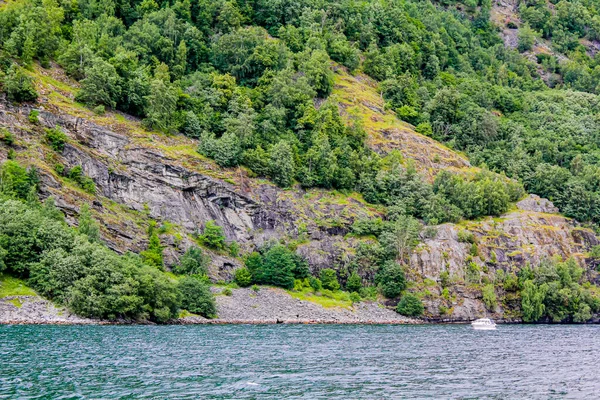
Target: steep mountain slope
[142, 176]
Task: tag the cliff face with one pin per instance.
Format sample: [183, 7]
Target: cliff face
[141, 176]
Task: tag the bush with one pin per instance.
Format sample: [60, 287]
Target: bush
[489, 297]
[465, 236]
[391, 279]
[193, 262]
[196, 297]
[255, 288]
[329, 279]
[355, 297]
[354, 283]
[315, 284]
[213, 236]
[7, 137]
[275, 268]
[56, 138]
[227, 292]
[243, 277]
[33, 117]
[410, 305]
[18, 86]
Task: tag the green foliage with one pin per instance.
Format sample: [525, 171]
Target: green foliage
[276, 267]
[33, 117]
[193, 262]
[16, 181]
[213, 236]
[329, 279]
[100, 85]
[465, 236]
[153, 255]
[17, 85]
[315, 284]
[87, 226]
[489, 296]
[196, 297]
[391, 279]
[7, 137]
[410, 305]
[354, 283]
[355, 297]
[85, 182]
[557, 291]
[56, 138]
[243, 277]
[526, 38]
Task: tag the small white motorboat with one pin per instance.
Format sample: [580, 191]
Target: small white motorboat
[484, 324]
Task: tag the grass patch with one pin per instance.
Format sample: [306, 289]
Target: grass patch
[10, 286]
[326, 299]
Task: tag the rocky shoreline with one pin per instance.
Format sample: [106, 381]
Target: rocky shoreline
[243, 306]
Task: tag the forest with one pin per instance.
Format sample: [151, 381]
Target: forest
[242, 77]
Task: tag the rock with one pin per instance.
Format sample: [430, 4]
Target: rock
[537, 204]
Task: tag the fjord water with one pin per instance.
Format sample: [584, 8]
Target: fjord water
[294, 361]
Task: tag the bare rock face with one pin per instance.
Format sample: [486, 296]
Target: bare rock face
[537, 204]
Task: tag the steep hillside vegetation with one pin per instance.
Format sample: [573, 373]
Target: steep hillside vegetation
[299, 146]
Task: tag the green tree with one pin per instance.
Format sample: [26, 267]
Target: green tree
[100, 85]
[193, 262]
[354, 283]
[391, 279]
[196, 297]
[243, 277]
[87, 225]
[17, 85]
[276, 268]
[162, 102]
[153, 255]
[410, 305]
[532, 301]
[281, 164]
[213, 235]
[329, 279]
[526, 38]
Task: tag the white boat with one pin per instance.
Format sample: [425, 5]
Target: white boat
[483, 324]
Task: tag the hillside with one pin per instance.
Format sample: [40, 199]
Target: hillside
[292, 151]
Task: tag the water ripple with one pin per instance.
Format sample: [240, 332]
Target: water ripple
[298, 362]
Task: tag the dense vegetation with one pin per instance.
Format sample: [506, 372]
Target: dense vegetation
[71, 266]
[558, 292]
[251, 81]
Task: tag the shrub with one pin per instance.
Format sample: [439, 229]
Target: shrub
[329, 279]
[56, 138]
[227, 292]
[391, 279]
[410, 305]
[315, 284]
[234, 249]
[444, 278]
[193, 262]
[153, 255]
[354, 283]
[16, 181]
[18, 86]
[99, 110]
[355, 297]
[255, 288]
[7, 137]
[465, 236]
[489, 297]
[243, 277]
[275, 268]
[196, 297]
[33, 117]
[213, 236]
